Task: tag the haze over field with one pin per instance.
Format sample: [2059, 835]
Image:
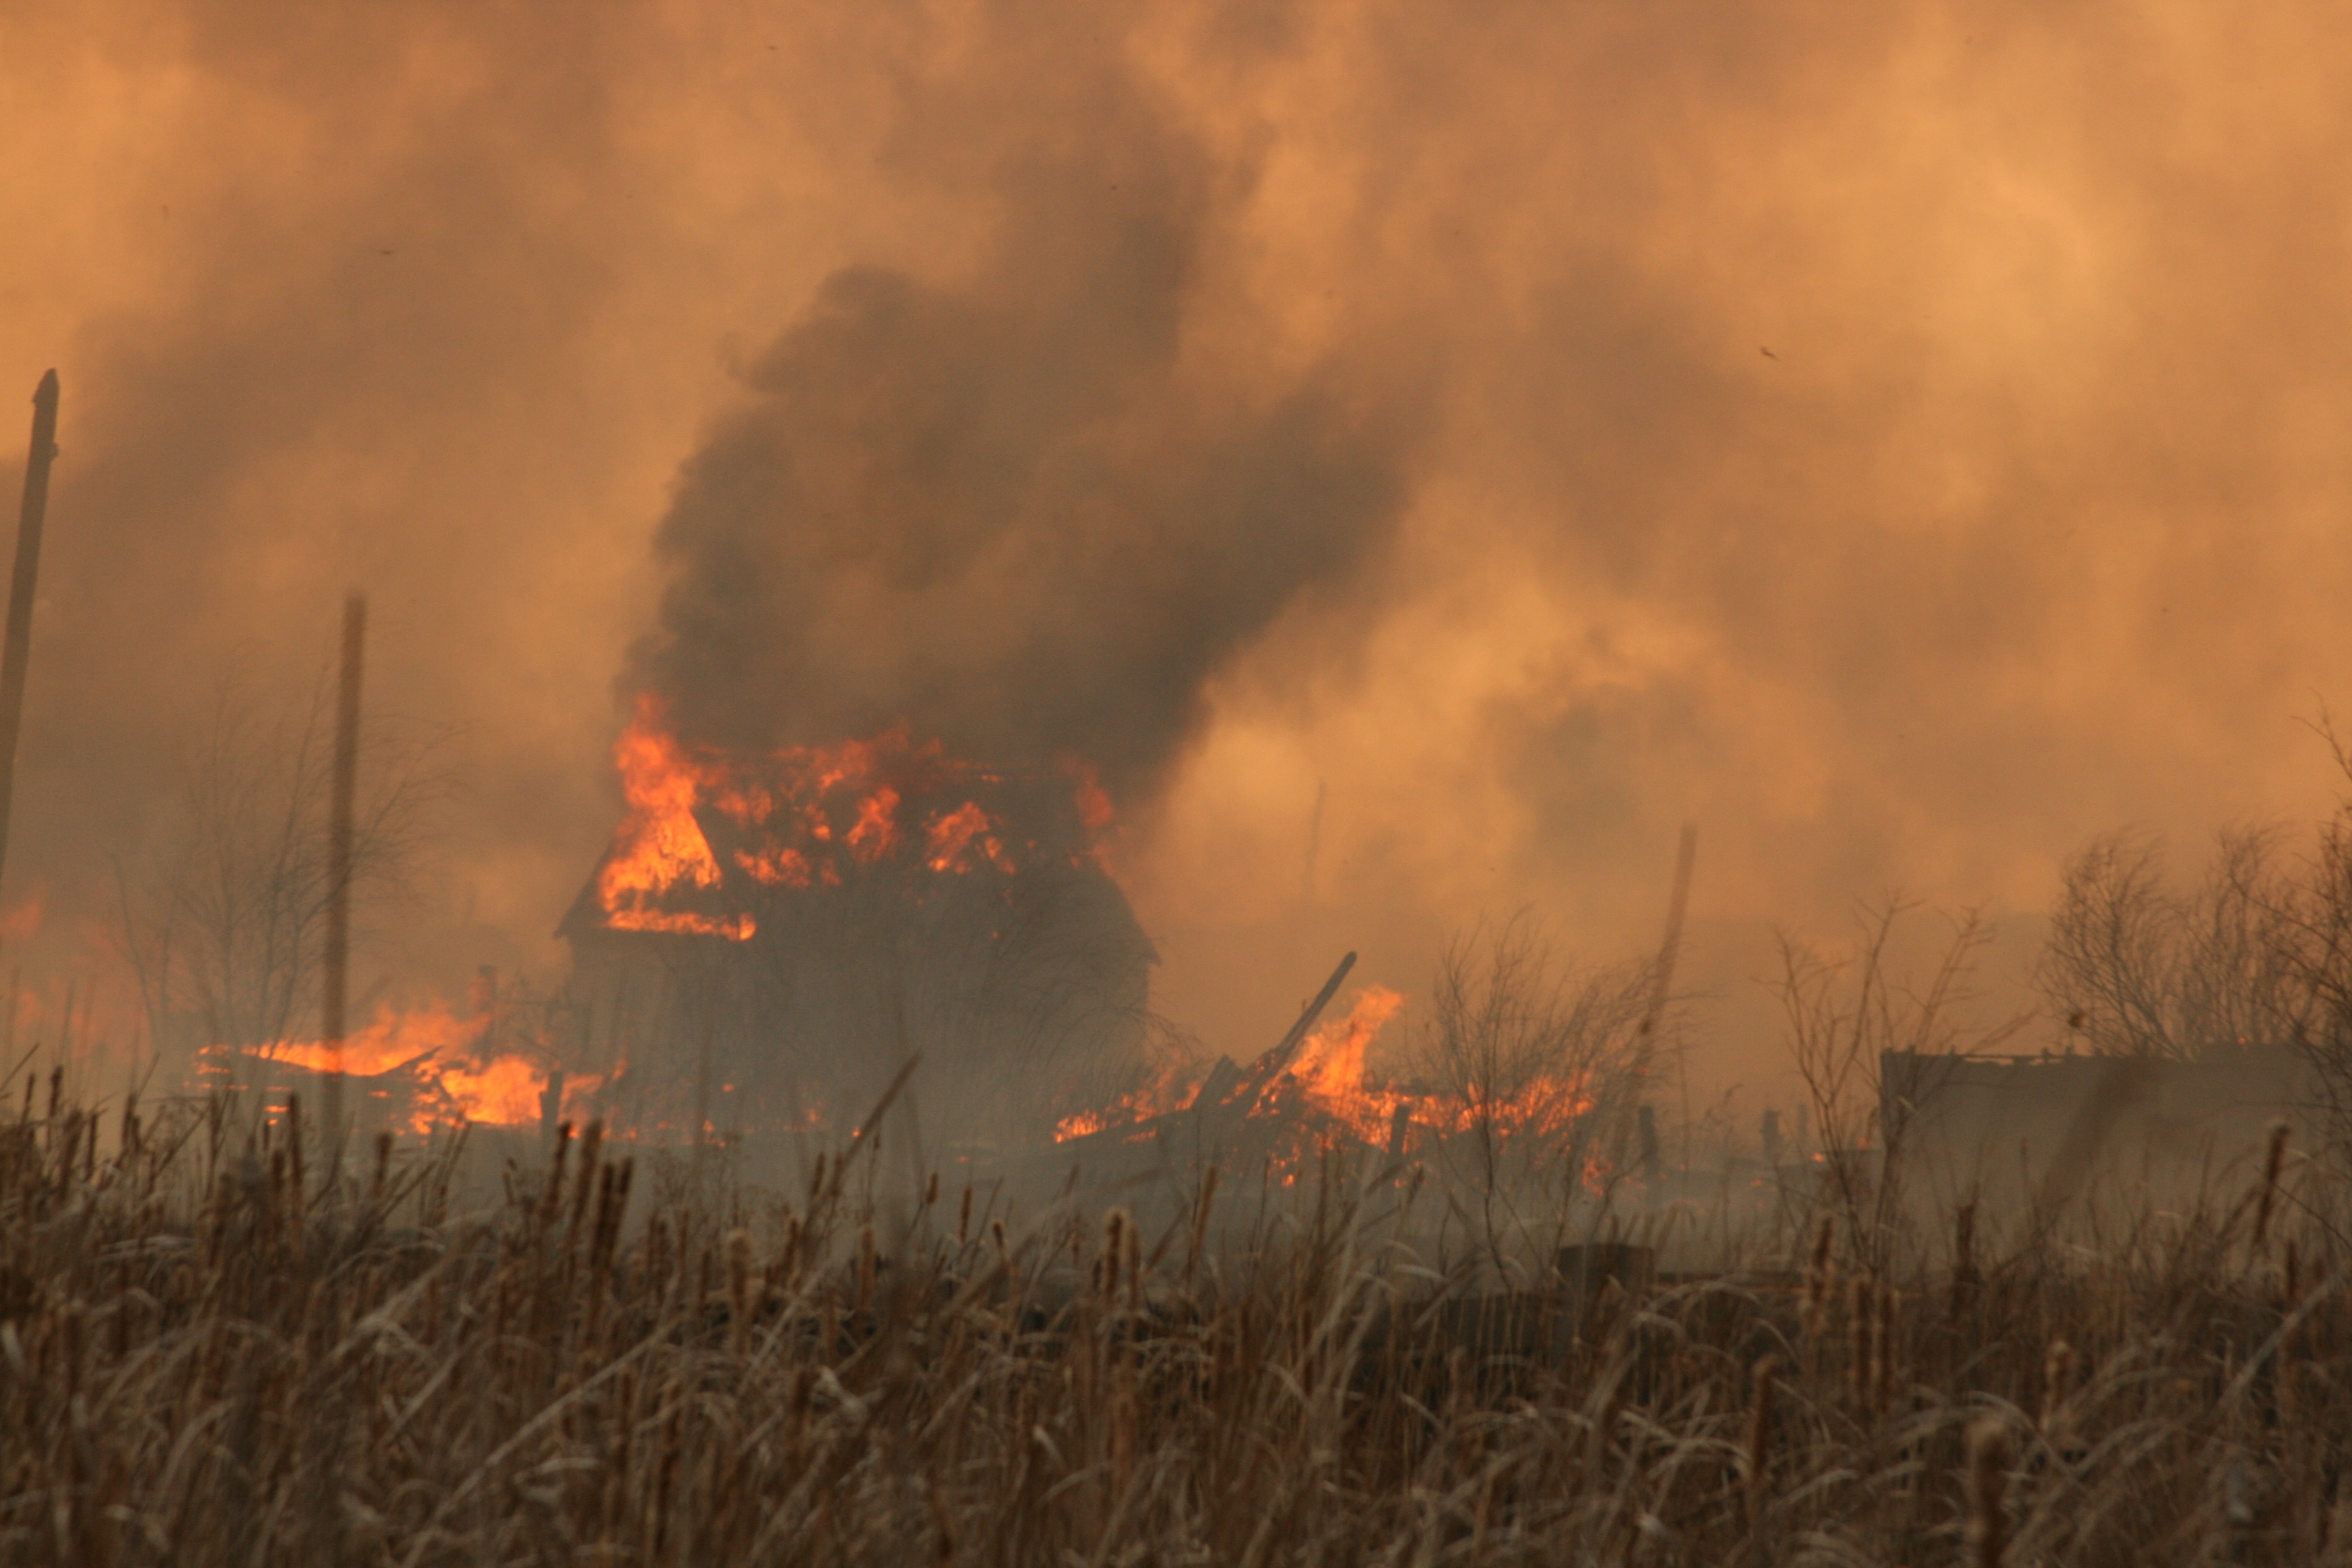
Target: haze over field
[1905, 441]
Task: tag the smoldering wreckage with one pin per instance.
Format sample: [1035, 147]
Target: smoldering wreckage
[770, 940]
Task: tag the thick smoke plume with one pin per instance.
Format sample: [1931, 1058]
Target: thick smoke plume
[1008, 511]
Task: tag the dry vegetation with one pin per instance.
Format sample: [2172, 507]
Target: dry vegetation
[210, 1354]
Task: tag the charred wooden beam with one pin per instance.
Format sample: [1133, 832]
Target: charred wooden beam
[1219, 1110]
[1264, 1071]
[1222, 1079]
[1219, 1117]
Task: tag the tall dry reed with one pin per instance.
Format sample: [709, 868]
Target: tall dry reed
[211, 1352]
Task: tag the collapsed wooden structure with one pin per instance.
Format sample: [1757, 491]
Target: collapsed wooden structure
[1238, 1116]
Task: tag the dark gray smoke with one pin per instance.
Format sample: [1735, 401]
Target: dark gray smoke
[1005, 511]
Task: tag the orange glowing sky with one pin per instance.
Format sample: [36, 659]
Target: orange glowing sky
[1905, 440]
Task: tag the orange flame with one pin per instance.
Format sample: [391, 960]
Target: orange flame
[778, 867]
[1328, 1071]
[394, 1040]
[659, 846]
[1170, 1089]
[433, 1056]
[805, 815]
[508, 1090]
[876, 832]
[1084, 1123]
[1328, 1088]
[1095, 813]
[952, 837]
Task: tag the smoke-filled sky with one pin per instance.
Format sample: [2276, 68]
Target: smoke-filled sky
[1905, 440]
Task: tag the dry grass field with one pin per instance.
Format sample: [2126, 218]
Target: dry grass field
[205, 1358]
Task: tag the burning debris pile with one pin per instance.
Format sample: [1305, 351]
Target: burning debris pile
[407, 1072]
[776, 934]
[1314, 1095]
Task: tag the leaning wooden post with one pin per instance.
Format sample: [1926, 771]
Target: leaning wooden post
[20, 593]
[340, 812]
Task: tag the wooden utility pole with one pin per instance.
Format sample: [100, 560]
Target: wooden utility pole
[339, 811]
[20, 647]
[1661, 992]
[1662, 979]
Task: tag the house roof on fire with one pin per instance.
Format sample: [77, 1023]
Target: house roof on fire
[1029, 833]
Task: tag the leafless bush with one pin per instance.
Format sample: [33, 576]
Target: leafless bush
[1846, 1013]
[2257, 954]
[2311, 928]
[224, 928]
[1545, 1056]
[2137, 967]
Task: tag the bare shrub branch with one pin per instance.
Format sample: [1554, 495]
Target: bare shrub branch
[222, 928]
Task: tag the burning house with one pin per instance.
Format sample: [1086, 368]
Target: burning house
[770, 936]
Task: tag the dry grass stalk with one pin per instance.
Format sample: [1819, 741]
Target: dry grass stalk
[1132, 1238]
[183, 1371]
[1115, 1225]
[1202, 1208]
[1821, 1276]
[2274, 1157]
[1863, 1369]
[740, 1304]
[2057, 1387]
[1987, 1530]
[1966, 1280]
[2335, 1539]
[1759, 1436]
[1889, 1363]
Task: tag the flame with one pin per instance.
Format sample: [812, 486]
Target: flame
[433, 1056]
[1086, 1122]
[951, 838]
[1544, 1105]
[659, 846]
[394, 1040]
[778, 867]
[876, 832]
[1170, 1089]
[735, 928]
[1597, 1173]
[799, 818]
[1327, 1092]
[508, 1090]
[1095, 813]
[1329, 1072]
